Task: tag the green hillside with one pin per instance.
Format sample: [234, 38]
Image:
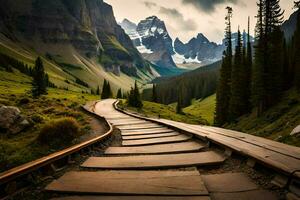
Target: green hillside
[204, 108]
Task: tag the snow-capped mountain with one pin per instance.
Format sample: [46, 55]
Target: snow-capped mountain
[198, 50]
[152, 40]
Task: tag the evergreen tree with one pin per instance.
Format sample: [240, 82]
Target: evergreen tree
[98, 91]
[109, 91]
[134, 98]
[119, 94]
[179, 104]
[258, 88]
[154, 94]
[296, 47]
[237, 103]
[248, 71]
[40, 79]
[267, 74]
[104, 90]
[223, 90]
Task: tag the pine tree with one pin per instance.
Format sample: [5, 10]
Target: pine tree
[104, 90]
[109, 91]
[98, 91]
[154, 94]
[179, 104]
[237, 103]
[39, 78]
[296, 47]
[223, 90]
[134, 98]
[267, 75]
[119, 94]
[248, 71]
[258, 88]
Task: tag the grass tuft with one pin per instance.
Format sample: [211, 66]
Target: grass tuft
[59, 132]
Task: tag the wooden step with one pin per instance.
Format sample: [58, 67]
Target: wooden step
[155, 161]
[134, 198]
[123, 124]
[180, 147]
[148, 136]
[140, 127]
[146, 132]
[178, 138]
[184, 183]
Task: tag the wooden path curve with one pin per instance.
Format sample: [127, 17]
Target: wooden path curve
[155, 161]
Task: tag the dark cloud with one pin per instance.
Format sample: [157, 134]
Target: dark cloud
[188, 25]
[209, 5]
[149, 4]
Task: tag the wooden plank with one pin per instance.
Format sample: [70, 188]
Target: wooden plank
[148, 136]
[156, 149]
[144, 123]
[146, 132]
[274, 159]
[134, 198]
[178, 138]
[131, 183]
[228, 182]
[155, 161]
[137, 127]
[246, 195]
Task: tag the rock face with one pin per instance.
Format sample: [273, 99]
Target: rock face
[198, 49]
[296, 132]
[289, 26]
[152, 40]
[88, 25]
[11, 120]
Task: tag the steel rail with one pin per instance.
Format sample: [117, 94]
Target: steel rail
[35, 165]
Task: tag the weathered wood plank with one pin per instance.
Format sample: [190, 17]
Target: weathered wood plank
[159, 148]
[155, 161]
[134, 198]
[140, 183]
[178, 138]
[229, 182]
[148, 136]
[146, 131]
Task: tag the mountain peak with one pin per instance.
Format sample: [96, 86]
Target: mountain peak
[127, 24]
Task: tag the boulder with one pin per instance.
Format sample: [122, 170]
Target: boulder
[296, 131]
[11, 120]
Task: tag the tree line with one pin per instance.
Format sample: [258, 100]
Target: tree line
[197, 84]
[256, 82]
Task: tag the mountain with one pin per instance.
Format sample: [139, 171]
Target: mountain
[289, 26]
[78, 39]
[198, 50]
[152, 40]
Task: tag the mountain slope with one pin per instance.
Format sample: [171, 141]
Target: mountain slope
[79, 39]
[289, 26]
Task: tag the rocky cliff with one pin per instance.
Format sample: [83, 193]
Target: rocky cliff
[152, 40]
[88, 26]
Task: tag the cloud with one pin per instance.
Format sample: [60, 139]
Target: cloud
[149, 4]
[209, 6]
[187, 25]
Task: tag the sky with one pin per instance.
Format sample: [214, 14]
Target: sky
[186, 18]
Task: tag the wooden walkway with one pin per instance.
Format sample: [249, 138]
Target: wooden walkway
[172, 156]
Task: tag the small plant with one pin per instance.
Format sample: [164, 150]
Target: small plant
[59, 132]
[24, 101]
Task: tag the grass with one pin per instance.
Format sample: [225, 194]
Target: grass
[151, 109]
[57, 104]
[277, 123]
[203, 108]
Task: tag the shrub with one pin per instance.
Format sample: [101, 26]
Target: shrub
[37, 118]
[59, 132]
[24, 101]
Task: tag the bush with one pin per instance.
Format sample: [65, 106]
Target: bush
[59, 132]
[24, 101]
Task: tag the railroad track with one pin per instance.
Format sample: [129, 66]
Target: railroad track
[155, 161]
